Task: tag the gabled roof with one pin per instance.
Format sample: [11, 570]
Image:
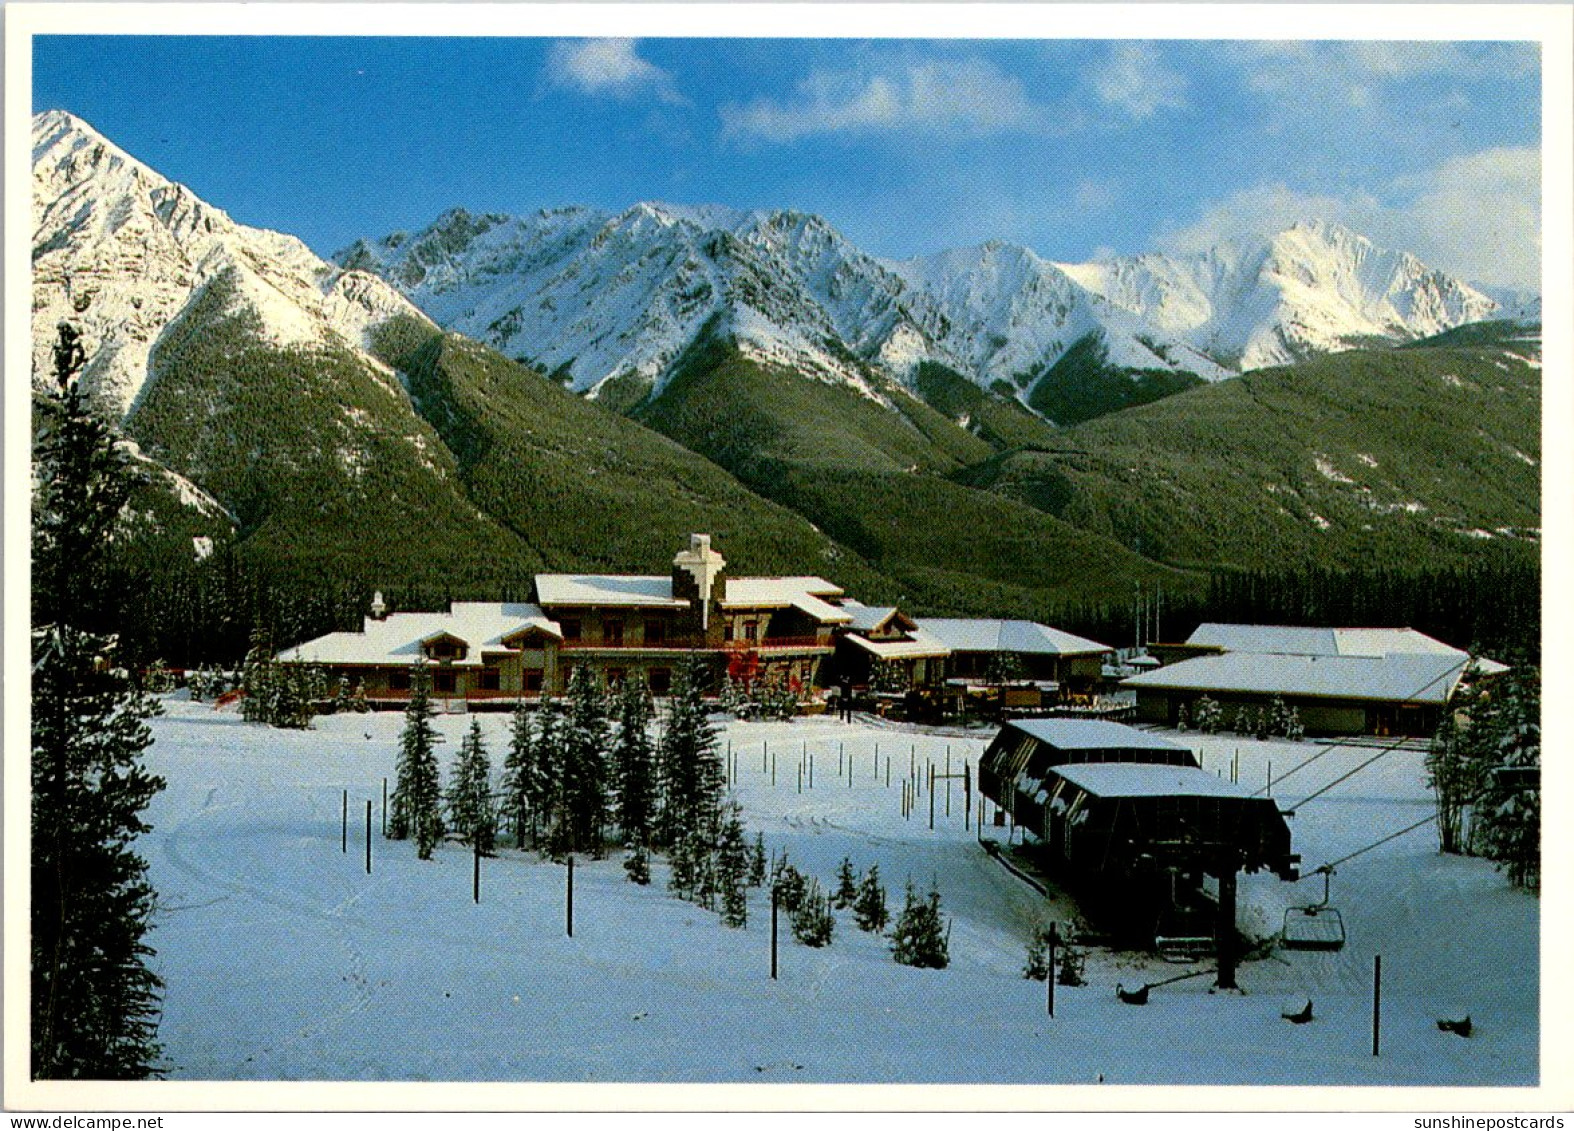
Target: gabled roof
[973, 635]
[921, 645]
[1091, 734]
[1143, 779]
[801, 593]
[867, 618]
[1294, 640]
[1424, 677]
[397, 640]
[607, 589]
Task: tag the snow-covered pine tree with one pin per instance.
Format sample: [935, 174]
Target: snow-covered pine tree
[94, 1003]
[518, 765]
[689, 765]
[471, 812]
[1183, 718]
[789, 885]
[1210, 716]
[257, 678]
[919, 937]
[1294, 729]
[869, 910]
[358, 701]
[1278, 717]
[757, 861]
[341, 696]
[811, 920]
[732, 869]
[546, 777]
[584, 764]
[1508, 811]
[415, 809]
[636, 863]
[846, 892]
[1036, 968]
[633, 760]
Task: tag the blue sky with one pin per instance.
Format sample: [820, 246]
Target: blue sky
[1071, 147]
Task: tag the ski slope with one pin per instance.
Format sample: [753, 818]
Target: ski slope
[284, 960]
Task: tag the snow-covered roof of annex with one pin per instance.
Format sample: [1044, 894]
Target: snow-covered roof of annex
[974, 635]
[1144, 779]
[1296, 640]
[1425, 677]
[921, 645]
[483, 625]
[607, 589]
[801, 593]
[1091, 734]
[866, 618]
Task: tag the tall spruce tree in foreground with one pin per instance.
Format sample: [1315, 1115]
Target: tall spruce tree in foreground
[689, 764]
[94, 1002]
[471, 812]
[415, 810]
[633, 765]
[519, 791]
[583, 768]
[1508, 811]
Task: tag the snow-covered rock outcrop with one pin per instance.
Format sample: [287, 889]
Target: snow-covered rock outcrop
[122, 251]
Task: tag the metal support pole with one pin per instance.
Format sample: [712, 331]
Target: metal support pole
[1054, 941]
[344, 823]
[570, 897]
[368, 836]
[475, 881]
[1225, 928]
[1377, 1002]
[773, 932]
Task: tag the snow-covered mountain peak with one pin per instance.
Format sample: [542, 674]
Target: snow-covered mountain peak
[122, 252]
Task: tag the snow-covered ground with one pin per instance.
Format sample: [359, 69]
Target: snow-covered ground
[283, 959]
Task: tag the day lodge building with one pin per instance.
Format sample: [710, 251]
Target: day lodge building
[1341, 681]
[790, 629]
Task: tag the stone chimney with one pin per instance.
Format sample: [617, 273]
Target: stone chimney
[379, 606]
[694, 575]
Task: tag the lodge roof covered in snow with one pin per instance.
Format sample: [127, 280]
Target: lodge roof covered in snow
[1425, 677]
[802, 593]
[1090, 734]
[1145, 779]
[604, 589]
[1295, 640]
[1024, 636]
[483, 626]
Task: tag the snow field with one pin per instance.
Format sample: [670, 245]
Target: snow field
[284, 960]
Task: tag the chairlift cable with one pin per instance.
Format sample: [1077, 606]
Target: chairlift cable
[1331, 865]
[1345, 742]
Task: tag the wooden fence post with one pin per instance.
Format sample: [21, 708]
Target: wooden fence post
[773, 932]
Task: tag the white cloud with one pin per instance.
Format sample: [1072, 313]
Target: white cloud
[1477, 216]
[969, 96]
[1094, 195]
[608, 67]
[1314, 74]
[1135, 79]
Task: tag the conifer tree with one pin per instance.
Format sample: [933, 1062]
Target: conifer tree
[1506, 732]
[636, 863]
[846, 893]
[546, 778]
[869, 910]
[1210, 716]
[415, 809]
[811, 920]
[757, 861]
[634, 765]
[919, 937]
[584, 767]
[358, 701]
[471, 812]
[94, 1003]
[732, 870]
[689, 764]
[518, 767]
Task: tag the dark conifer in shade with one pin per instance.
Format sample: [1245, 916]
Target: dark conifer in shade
[471, 811]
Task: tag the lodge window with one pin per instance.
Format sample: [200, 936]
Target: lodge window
[445, 680]
[612, 632]
[660, 681]
[533, 681]
[491, 679]
[751, 629]
[655, 631]
[399, 679]
[570, 627]
[615, 677]
[726, 631]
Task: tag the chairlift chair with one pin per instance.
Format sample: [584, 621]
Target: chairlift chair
[1315, 926]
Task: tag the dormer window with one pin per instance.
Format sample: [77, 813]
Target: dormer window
[444, 648]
